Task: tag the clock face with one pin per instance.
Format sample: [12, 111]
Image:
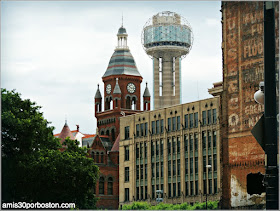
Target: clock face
[131, 88]
[108, 88]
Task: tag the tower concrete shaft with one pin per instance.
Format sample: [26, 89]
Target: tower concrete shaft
[167, 90]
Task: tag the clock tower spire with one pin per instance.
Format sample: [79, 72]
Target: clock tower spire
[122, 88]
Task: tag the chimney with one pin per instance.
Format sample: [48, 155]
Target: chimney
[78, 126]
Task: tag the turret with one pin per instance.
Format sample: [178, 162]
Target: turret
[117, 95]
[146, 99]
[98, 101]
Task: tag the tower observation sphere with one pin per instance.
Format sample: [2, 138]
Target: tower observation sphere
[167, 38]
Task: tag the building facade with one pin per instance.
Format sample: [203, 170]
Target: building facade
[243, 69]
[168, 149]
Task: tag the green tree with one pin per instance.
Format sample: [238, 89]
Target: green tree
[33, 168]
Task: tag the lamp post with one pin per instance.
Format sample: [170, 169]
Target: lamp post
[207, 169]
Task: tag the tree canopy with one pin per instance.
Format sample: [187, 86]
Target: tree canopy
[33, 167]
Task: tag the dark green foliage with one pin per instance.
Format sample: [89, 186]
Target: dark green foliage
[33, 168]
[212, 205]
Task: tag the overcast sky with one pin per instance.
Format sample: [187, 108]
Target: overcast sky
[55, 53]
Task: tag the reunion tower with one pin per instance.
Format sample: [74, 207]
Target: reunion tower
[167, 38]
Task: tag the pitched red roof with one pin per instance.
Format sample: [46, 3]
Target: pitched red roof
[115, 147]
[65, 132]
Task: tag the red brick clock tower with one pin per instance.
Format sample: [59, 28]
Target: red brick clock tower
[122, 90]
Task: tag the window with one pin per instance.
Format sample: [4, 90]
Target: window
[173, 145]
[153, 127]
[214, 116]
[169, 146]
[137, 130]
[173, 123]
[153, 191]
[186, 143]
[101, 157]
[214, 139]
[161, 126]
[157, 148]
[203, 117]
[174, 167]
[196, 142]
[187, 188]
[110, 186]
[169, 189]
[97, 157]
[126, 174]
[137, 151]
[196, 187]
[157, 127]
[152, 148]
[215, 186]
[203, 140]
[178, 144]
[141, 150]
[209, 117]
[191, 142]
[137, 193]
[126, 132]
[161, 169]
[179, 189]
[126, 191]
[178, 122]
[186, 166]
[210, 186]
[204, 163]
[210, 161]
[145, 150]
[146, 192]
[142, 194]
[161, 147]
[196, 164]
[101, 185]
[178, 167]
[191, 184]
[191, 120]
[169, 168]
[191, 165]
[153, 170]
[137, 172]
[141, 172]
[146, 128]
[209, 139]
[204, 187]
[126, 152]
[169, 124]
[146, 171]
[215, 162]
[142, 129]
[157, 169]
[186, 120]
[174, 189]
[196, 119]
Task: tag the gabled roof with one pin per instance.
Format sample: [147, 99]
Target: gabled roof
[115, 147]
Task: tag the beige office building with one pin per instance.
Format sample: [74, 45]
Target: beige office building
[168, 149]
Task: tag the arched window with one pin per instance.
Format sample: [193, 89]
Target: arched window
[97, 157]
[102, 133]
[133, 103]
[128, 103]
[111, 103]
[107, 104]
[110, 186]
[101, 155]
[116, 101]
[107, 132]
[101, 185]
